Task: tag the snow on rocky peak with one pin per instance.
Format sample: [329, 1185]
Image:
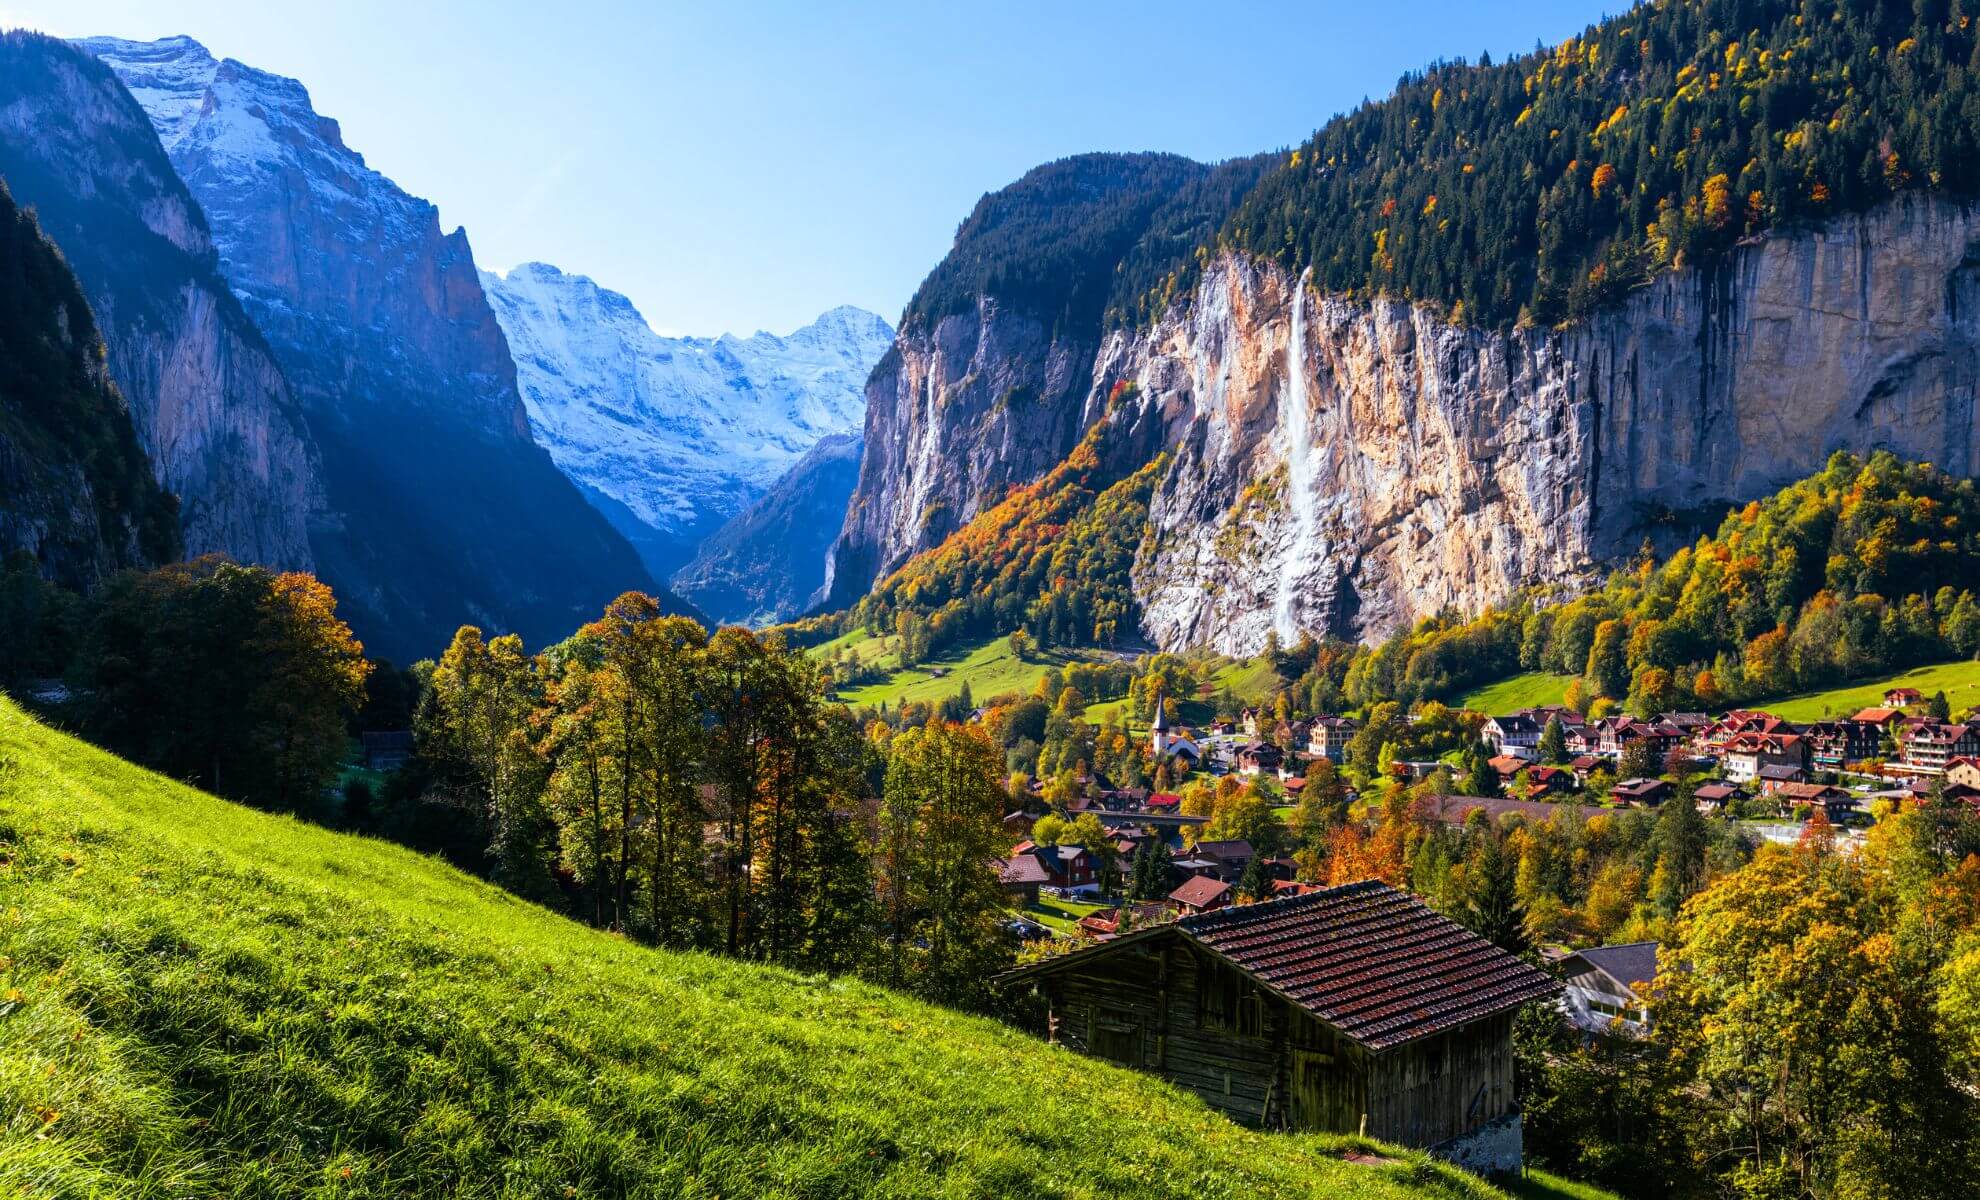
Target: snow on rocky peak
[684, 432]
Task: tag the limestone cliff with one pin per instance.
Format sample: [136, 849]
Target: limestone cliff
[955, 415]
[1411, 464]
[984, 385]
[211, 407]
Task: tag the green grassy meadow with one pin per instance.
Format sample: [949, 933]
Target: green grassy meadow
[989, 667]
[1531, 690]
[1959, 680]
[197, 999]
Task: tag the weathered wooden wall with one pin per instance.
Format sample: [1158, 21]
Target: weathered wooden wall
[1145, 1008]
[1437, 1088]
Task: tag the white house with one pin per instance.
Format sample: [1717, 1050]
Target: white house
[1608, 988]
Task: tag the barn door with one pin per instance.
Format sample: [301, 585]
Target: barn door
[1318, 1097]
[1117, 1041]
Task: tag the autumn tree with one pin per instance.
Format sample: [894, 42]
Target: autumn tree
[939, 829]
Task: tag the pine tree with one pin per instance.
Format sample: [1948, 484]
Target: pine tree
[1254, 883]
[1553, 743]
[1495, 911]
[1681, 845]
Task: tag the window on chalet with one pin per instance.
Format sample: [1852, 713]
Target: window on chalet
[1229, 1003]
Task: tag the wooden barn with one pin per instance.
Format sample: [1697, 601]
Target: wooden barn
[1348, 1009]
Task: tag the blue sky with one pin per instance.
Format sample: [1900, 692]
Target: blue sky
[736, 166]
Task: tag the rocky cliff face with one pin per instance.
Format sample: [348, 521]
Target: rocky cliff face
[1351, 467]
[676, 435]
[210, 405]
[440, 508]
[77, 495]
[955, 416]
[766, 563]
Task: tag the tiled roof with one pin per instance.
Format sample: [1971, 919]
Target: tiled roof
[1370, 961]
[1628, 964]
[1202, 890]
[1023, 868]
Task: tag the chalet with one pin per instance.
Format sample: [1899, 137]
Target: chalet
[1516, 734]
[1884, 720]
[1617, 734]
[1248, 721]
[1713, 797]
[1021, 875]
[1201, 894]
[1929, 747]
[1329, 737]
[1737, 722]
[1837, 804]
[1608, 988]
[1195, 866]
[386, 750]
[1258, 758]
[1690, 724]
[1645, 792]
[1232, 856]
[1069, 868]
[1585, 765]
[1350, 1009]
[1775, 775]
[1019, 823]
[1964, 772]
[1550, 781]
[1902, 697]
[1747, 752]
[1833, 745]
[1164, 802]
[1506, 766]
[1110, 923]
[1580, 739]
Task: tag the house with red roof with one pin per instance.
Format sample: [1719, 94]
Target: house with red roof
[1201, 893]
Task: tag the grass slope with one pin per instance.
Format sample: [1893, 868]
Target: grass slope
[1531, 690]
[989, 667]
[1959, 680]
[198, 999]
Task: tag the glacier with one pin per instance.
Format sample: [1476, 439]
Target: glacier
[673, 436]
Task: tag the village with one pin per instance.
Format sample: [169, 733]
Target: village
[1772, 773]
[1229, 925]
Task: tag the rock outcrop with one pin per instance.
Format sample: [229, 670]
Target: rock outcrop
[440, 508]
[954, 418]
[211, 407]
[768, 561]
[984, 385]
[1449, 466]
[673, 436]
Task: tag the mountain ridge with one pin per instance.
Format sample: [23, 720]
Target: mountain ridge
[211, 405]
[440, 508]
[680, 433]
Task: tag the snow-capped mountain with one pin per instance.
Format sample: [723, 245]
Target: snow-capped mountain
[442, 510]
[674, 436]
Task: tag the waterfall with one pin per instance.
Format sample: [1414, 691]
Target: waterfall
[1296, 426]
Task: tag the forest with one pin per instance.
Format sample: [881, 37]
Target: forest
[1542, 188]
